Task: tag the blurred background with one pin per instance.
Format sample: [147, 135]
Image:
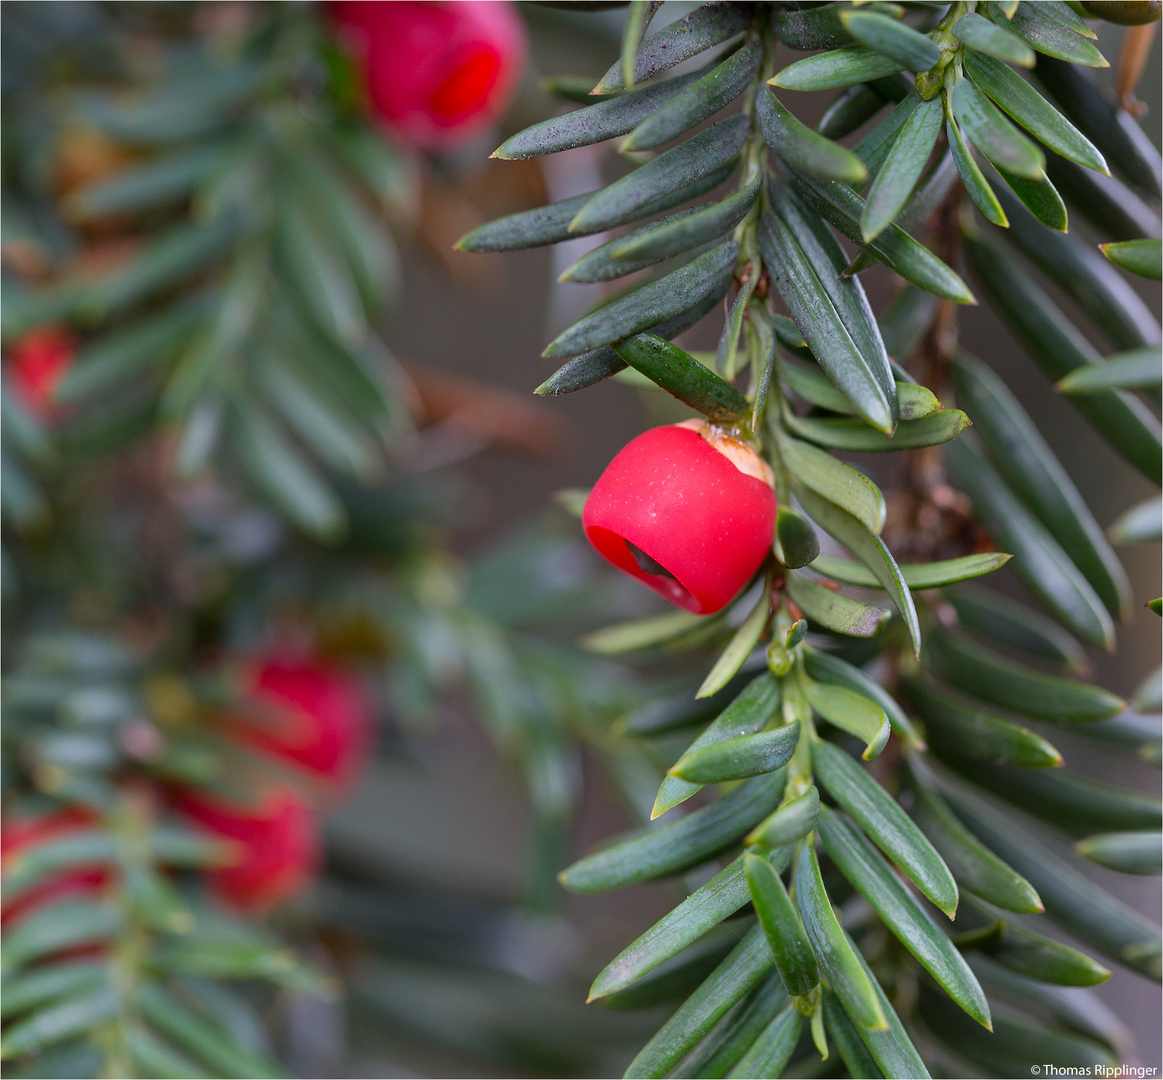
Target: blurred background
[223, 531]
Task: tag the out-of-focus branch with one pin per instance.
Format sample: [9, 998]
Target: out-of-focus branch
[500, 417]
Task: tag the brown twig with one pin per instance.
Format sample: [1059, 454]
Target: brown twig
[1132, 57]
[498, 416]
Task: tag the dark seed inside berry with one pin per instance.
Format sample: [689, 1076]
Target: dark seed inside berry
[649, 565]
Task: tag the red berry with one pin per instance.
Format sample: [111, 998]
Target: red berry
[695, 503]
[438, 73]
[275, 843]
[39, 361]
[311, 714]
[22, 834]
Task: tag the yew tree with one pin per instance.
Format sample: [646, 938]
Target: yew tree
[862, 860]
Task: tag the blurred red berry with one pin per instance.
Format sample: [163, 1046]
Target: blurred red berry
[311, 714]
[438, 73]
[686, 509]
[38, 362]
[19, 835]
[275, 844]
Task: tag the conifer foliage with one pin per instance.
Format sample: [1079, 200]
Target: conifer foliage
[867, 856]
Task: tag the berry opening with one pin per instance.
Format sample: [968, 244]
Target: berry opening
[625, 556]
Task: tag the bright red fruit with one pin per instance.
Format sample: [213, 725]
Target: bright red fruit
[39, 361]
[23, 834]
[311, 714]
[438, 73]
[275, 843]
[695, 503]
